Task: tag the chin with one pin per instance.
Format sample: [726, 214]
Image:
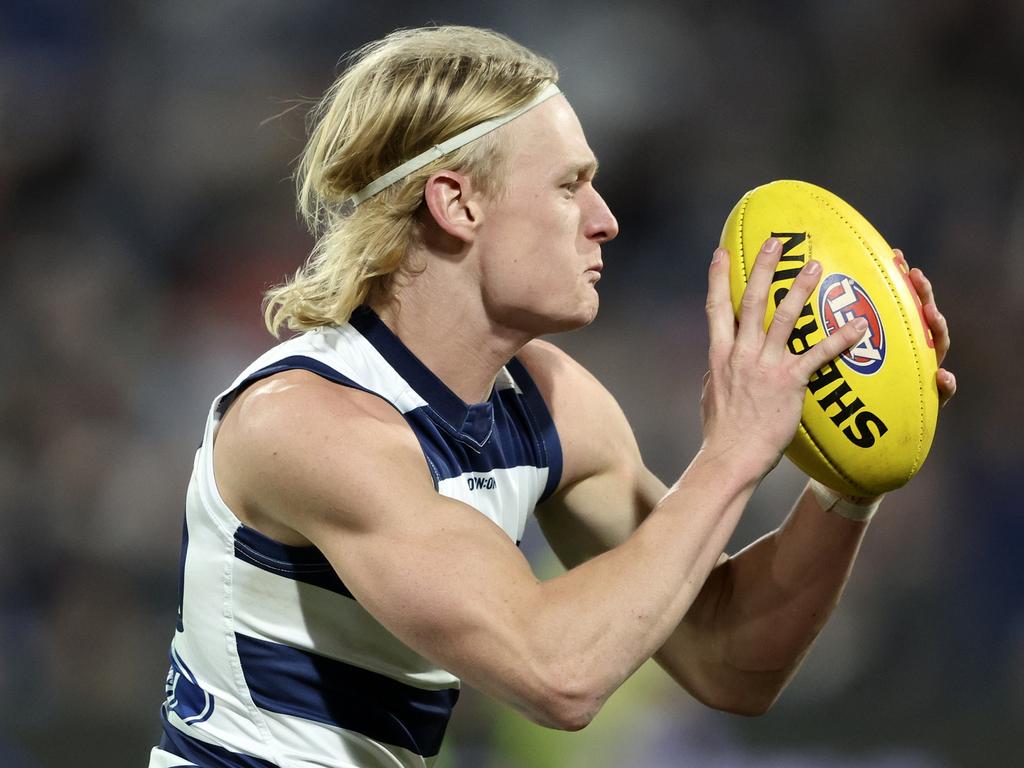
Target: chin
[553, 318]
[581, 318]
[590, 315]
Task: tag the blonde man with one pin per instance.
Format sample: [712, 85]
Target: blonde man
[350, 550]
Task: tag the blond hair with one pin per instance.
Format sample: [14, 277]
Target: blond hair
[400, 95]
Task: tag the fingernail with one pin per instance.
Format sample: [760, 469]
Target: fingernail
[860, 324]
[718, 255]
[771, 244]
[813, 267]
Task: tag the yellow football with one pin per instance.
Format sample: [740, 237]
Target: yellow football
[869, 416]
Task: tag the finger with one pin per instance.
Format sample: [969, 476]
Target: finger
[721, 321]
[789, 309]
[935, 319]
[940, 330]
[755, 297]
[923, 286]
[946, 382]
[832, 346]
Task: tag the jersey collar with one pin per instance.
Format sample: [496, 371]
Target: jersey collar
[470, 423]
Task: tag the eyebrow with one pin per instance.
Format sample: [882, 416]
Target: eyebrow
[583, 168]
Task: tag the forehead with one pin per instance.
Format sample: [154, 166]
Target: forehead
[550, 136]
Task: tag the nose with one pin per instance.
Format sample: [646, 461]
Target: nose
[600, 224]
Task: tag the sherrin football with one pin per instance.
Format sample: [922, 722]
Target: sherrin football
[869, 416]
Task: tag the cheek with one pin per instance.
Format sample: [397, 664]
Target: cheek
[523, 278]
[532, 258]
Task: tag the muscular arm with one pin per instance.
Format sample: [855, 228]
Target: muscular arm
[757, 612]
[760, 610]
[341, 469]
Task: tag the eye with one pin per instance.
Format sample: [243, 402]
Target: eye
[572, 187]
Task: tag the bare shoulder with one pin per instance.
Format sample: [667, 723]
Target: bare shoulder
[592, 427]
[295, 443]
[297, 406]
[565, 384]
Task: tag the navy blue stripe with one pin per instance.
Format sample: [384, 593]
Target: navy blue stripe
[305, 564]
[293, 682]
[203, 754]
[538, 409]
[510, 444]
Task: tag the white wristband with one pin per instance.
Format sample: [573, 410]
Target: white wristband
[831, 501]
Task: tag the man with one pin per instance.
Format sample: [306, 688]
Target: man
[351, 525]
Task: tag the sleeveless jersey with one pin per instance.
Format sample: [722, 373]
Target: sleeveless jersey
[273, 661]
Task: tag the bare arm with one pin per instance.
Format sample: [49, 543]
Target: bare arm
[746, 637]
[747, 634]
[760, 610]
[447, 581]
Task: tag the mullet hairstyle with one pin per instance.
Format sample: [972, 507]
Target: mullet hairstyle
[398, 97]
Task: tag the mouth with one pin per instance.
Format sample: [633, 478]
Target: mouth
[596, 268]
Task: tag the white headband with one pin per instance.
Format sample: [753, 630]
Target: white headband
[442, 149]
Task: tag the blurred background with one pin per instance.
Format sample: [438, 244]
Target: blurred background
[145, 150]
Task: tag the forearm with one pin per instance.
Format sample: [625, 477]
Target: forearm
[599, 621]
[763, 609]
[785, 586]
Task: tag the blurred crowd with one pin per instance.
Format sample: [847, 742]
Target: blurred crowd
[145, 204]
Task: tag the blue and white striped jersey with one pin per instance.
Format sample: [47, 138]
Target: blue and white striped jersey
[273, 662]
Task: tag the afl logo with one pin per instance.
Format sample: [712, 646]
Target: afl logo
[840, 300]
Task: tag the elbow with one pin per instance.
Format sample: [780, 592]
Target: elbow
[562, 716]
[564, 720]
[750, 706]
[567, 703]
[752, 700]
[727, 689]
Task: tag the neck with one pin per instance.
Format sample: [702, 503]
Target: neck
[444, 323]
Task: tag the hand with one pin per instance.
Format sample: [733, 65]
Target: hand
[754, 392]
[944, 379]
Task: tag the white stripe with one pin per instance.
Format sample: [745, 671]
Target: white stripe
[347, 351]
[204, 645]
[350, 353]
[301, 742]
[282, 610]
[507, 505]
[230, 730]
[160, 759]
[207, 646]
[504, 381]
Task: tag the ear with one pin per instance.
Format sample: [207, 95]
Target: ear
[452, 204]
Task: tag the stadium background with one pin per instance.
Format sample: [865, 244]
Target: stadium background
[144, 204]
